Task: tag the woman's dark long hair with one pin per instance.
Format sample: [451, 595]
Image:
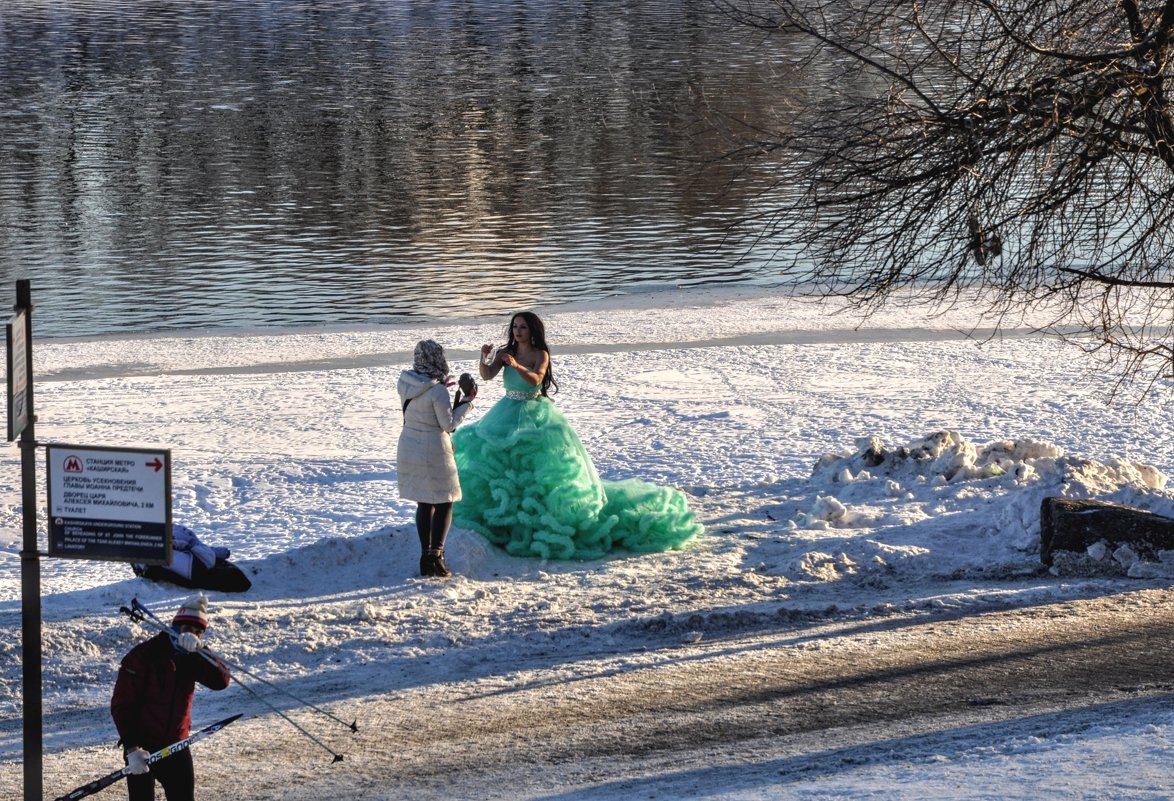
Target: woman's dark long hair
[537, 340]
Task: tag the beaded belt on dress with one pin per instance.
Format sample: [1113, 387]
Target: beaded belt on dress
[517, 394]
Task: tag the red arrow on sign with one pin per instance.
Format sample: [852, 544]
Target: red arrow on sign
[158, 465]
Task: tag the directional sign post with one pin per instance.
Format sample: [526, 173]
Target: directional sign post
[104, 503]
[109, 504]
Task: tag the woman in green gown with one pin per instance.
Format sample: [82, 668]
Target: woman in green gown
[529, 486]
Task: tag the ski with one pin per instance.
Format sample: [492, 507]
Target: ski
[162, 753]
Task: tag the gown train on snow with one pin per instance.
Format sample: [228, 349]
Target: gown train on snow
[529, 487]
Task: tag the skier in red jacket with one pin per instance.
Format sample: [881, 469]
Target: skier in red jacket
[152, 703]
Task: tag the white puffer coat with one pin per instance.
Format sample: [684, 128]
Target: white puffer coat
[425, 467]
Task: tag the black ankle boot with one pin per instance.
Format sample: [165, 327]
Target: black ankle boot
[439, 569]
[425, 565]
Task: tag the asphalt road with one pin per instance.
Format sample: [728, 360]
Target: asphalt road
[802, 699]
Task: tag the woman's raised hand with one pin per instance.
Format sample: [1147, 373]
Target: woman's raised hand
[487, 355]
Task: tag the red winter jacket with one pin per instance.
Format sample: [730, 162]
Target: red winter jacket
[152, 703]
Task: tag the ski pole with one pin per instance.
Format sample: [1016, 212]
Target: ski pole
[138, 614]
[162, 753]
[353, 725]
[337, 756]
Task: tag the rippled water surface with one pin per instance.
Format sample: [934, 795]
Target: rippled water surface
[274, 162]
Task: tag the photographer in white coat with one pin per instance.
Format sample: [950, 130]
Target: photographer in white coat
[426, 470]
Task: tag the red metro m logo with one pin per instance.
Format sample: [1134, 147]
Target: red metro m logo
[73, 465]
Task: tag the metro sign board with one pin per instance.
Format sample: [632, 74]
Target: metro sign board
[109, 503]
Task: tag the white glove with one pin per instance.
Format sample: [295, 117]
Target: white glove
[188, 641]
[136, 760]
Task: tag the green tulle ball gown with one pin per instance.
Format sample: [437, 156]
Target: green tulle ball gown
[529, 487]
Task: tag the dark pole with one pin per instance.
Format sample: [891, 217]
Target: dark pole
[30, 571]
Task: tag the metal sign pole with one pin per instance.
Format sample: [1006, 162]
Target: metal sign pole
[30, 571]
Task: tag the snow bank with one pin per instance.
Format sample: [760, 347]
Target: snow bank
[984, 501]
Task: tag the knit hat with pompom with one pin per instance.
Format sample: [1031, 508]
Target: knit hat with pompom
[194, 612]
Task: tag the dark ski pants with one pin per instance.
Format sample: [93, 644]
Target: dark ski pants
[176, 775]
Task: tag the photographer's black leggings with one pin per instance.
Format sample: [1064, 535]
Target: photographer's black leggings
[432, 522]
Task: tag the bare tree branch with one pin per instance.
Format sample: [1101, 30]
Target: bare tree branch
[1020, 147]
[1112, 281]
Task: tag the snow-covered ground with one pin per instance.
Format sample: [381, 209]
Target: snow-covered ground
[762, 409]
